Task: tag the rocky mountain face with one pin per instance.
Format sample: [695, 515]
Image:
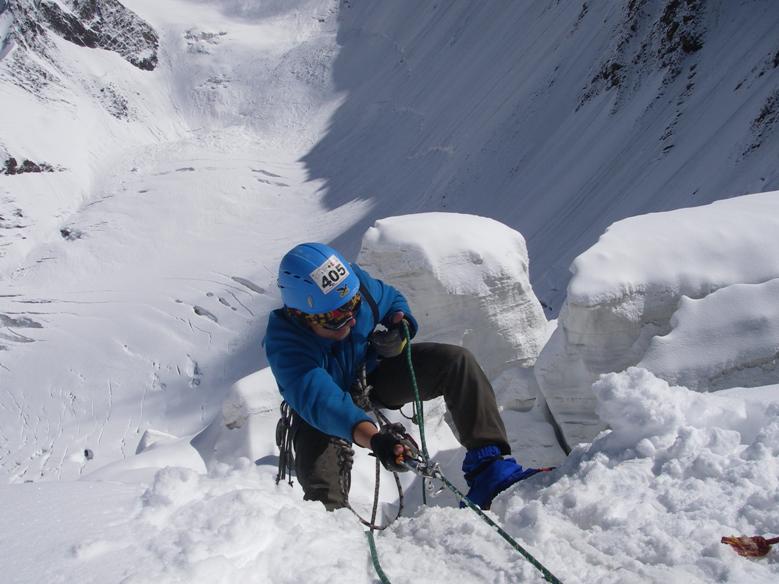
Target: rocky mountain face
[30, 60]
[662, 38]
[651, 37]
[105, 24]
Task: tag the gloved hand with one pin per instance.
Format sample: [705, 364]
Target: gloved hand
[390, 448]
[391, 342]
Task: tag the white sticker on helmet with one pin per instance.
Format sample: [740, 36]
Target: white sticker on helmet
[330, 274]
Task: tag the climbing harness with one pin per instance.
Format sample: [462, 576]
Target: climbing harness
[421, 464]
[284, 437]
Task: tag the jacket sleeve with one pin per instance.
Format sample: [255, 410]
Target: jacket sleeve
[388, 300]
[306, 385]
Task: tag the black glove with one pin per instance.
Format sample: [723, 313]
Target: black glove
[391, 342]
[383, 445]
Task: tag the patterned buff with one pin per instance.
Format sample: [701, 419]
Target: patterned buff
[333, 320]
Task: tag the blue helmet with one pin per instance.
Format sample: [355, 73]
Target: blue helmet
[314, 278]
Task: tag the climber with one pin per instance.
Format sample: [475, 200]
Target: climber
[318, 342]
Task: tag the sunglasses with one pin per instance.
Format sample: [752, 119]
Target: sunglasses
[335, 319]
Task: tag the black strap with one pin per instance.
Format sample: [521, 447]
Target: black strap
[371, 302]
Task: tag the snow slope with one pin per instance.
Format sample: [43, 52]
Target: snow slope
[555, 118]
[142, 275]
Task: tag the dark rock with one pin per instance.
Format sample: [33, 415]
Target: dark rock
[691, 43]
[29, 166]
[768, 113]
[651, 36]
[68, 26]
[71, 234]
[105, 24]
[11, 166]
[114, 102]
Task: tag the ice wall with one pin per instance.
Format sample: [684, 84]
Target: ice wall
[466, 279]
[686, 294]
[727, 339]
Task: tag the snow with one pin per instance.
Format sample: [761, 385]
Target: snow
[155, 303]
[454, 147]
[648, 500]
[726, 339]
[687, 294]
[689, 252]
[479, 108]
[476, 268]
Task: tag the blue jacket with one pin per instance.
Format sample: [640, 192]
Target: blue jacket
[314, 374]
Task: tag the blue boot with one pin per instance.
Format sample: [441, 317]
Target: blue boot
[488, 473]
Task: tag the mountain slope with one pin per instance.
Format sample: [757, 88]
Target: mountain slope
[555, 118]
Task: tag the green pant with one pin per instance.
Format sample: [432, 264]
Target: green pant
[323, 463]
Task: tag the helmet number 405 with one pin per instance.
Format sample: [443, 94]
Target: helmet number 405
[329, 274]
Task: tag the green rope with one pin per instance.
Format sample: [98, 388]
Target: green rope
[421, 421]
[375, 558]
[419, 412]
[548, 576]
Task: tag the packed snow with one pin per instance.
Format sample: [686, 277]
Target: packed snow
[646, 502]
[473, 267]
[686, 294]
[729, 338]
[466, 153]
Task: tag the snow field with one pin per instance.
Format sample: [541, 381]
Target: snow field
[142, 275]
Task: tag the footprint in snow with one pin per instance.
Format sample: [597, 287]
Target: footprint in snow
[266, 173]
[200, 311]
[249, 284]
[19, 322]
[272, 183]
[222, 301]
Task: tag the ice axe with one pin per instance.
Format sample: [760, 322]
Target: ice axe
[750, 547]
